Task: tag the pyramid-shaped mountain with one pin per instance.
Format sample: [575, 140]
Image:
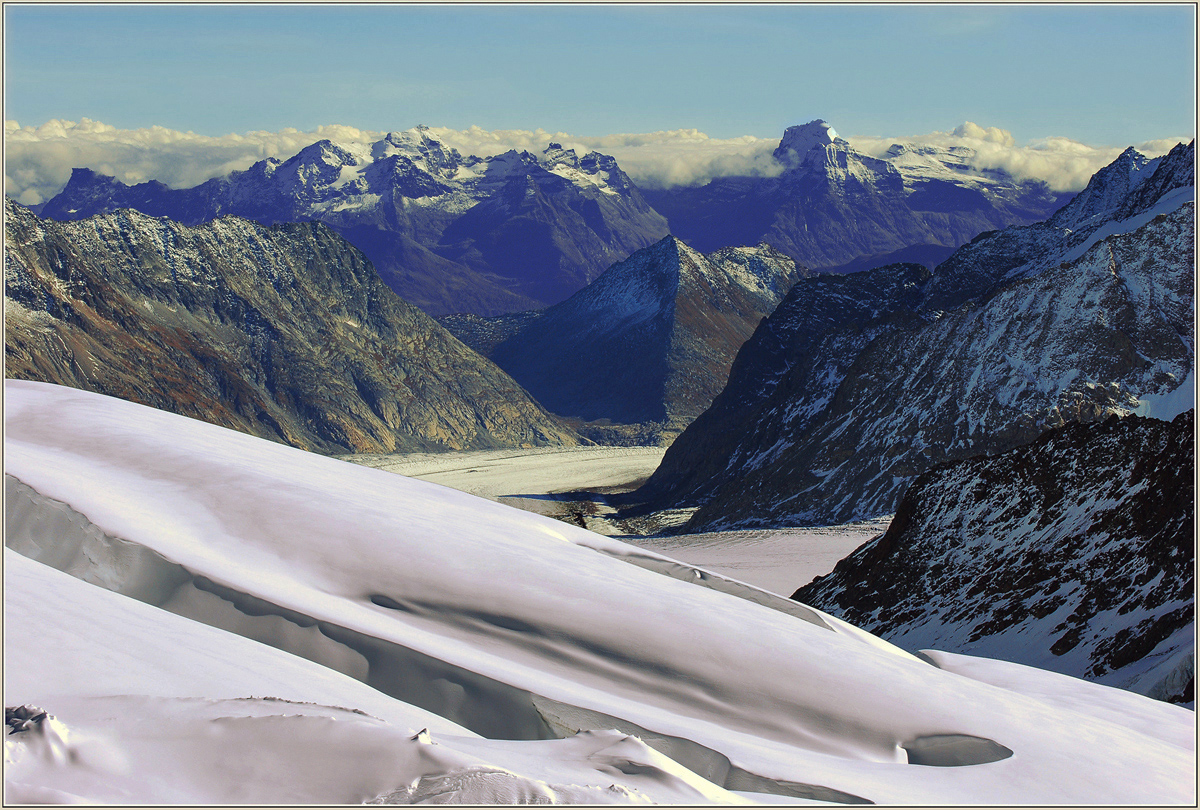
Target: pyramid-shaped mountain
[832, 207]
[650, 340]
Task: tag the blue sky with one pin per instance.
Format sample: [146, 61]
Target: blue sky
[1105, 75]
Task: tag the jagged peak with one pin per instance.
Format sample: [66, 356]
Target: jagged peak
[1105, 191]
[554, 154]
[799, 140]
[85, 175]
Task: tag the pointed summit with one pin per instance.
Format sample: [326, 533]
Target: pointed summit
[799, 140]
[649, 342]
[1106, 191]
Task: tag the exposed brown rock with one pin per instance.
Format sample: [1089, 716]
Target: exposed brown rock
[283, 332]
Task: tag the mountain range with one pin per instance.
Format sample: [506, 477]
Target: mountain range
[831, 206]
[448, 233]
[649, 341]
[1073, 553]
[856, 384]
[283, 331]
[521, 231]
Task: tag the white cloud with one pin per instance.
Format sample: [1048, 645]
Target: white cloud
[39, 160]
[1064, 164]
[679, 157]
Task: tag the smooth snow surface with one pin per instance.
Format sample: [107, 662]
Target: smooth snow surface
[776, 560]
[515, 626]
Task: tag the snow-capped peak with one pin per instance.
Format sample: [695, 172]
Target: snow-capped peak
[555, 154]
[591, 170]
[798, 141]
[419, 145]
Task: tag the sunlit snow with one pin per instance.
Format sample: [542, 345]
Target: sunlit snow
[688, 687]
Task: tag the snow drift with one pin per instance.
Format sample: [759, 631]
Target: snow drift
[409, 599]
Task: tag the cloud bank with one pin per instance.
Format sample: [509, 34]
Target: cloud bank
[1061, 163]
[38, 160]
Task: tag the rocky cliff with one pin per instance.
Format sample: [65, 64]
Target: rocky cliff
[283, 332]
[1073, 553]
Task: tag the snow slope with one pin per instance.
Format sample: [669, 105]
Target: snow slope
[152, 707]
[771, 559]
[515, 626]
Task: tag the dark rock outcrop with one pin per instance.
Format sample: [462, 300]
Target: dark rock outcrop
[284, 332]
[1073, 553]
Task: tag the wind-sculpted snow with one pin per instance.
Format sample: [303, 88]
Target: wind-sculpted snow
[446, 232]
[848, 391]
[149, 707]
[495, 616]
[1073, 553]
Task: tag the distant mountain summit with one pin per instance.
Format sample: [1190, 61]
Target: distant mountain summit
[283, 332]
[446, 232]
[806, 143]
[856, 384]
[831, 206]
[650, 340]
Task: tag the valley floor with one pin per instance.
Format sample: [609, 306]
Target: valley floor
[571, 484]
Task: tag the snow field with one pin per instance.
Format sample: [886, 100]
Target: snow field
[489, 613]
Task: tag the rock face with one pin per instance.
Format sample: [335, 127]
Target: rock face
[856, 384]
[651, 340]
[1073, 553]
[445, 232]
[283, 332]
[831, 206]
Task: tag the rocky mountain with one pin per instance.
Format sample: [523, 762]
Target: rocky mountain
[1073, 553]
[650, 341]
[449, 233]
[856, 384]
[283, 332]
[833, 207]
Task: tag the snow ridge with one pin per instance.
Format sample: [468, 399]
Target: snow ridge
[756, 699]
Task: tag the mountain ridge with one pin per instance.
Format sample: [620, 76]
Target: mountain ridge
[520, 231]
[649, 341]
[443, 231]
[282, 331]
